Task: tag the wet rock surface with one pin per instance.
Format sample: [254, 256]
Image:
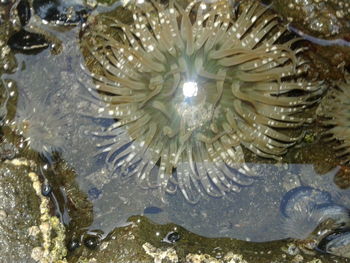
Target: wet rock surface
[16, 216]
[7, 61]
[326, 25]
[122, 245]
[320, 18]
[142, 241]
[27, 231]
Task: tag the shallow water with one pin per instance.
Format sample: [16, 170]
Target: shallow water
[56, 86]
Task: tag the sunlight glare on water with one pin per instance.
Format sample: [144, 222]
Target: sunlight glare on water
[190, 89]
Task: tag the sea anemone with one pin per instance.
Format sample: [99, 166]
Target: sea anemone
[336, 108]
[189, 86]
[42, 127]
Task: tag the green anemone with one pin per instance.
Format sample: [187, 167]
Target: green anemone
[189, 87]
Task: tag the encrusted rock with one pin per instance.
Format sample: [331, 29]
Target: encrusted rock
[28, 233]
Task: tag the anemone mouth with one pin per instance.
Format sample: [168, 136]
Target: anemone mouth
[188, 87]
[335, 108]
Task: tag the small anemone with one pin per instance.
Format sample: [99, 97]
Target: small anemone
[189, 87]
[336, 108]
[41, 126]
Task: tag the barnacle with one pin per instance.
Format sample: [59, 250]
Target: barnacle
[336, 108]
[188, 87]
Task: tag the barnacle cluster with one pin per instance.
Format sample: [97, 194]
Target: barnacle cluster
[336, 108]
[51, 229]
[189, 87]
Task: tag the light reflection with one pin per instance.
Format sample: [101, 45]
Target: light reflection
[190, 89]
[138, 2]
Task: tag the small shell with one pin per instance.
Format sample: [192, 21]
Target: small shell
[27, 41]
[337, 243]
